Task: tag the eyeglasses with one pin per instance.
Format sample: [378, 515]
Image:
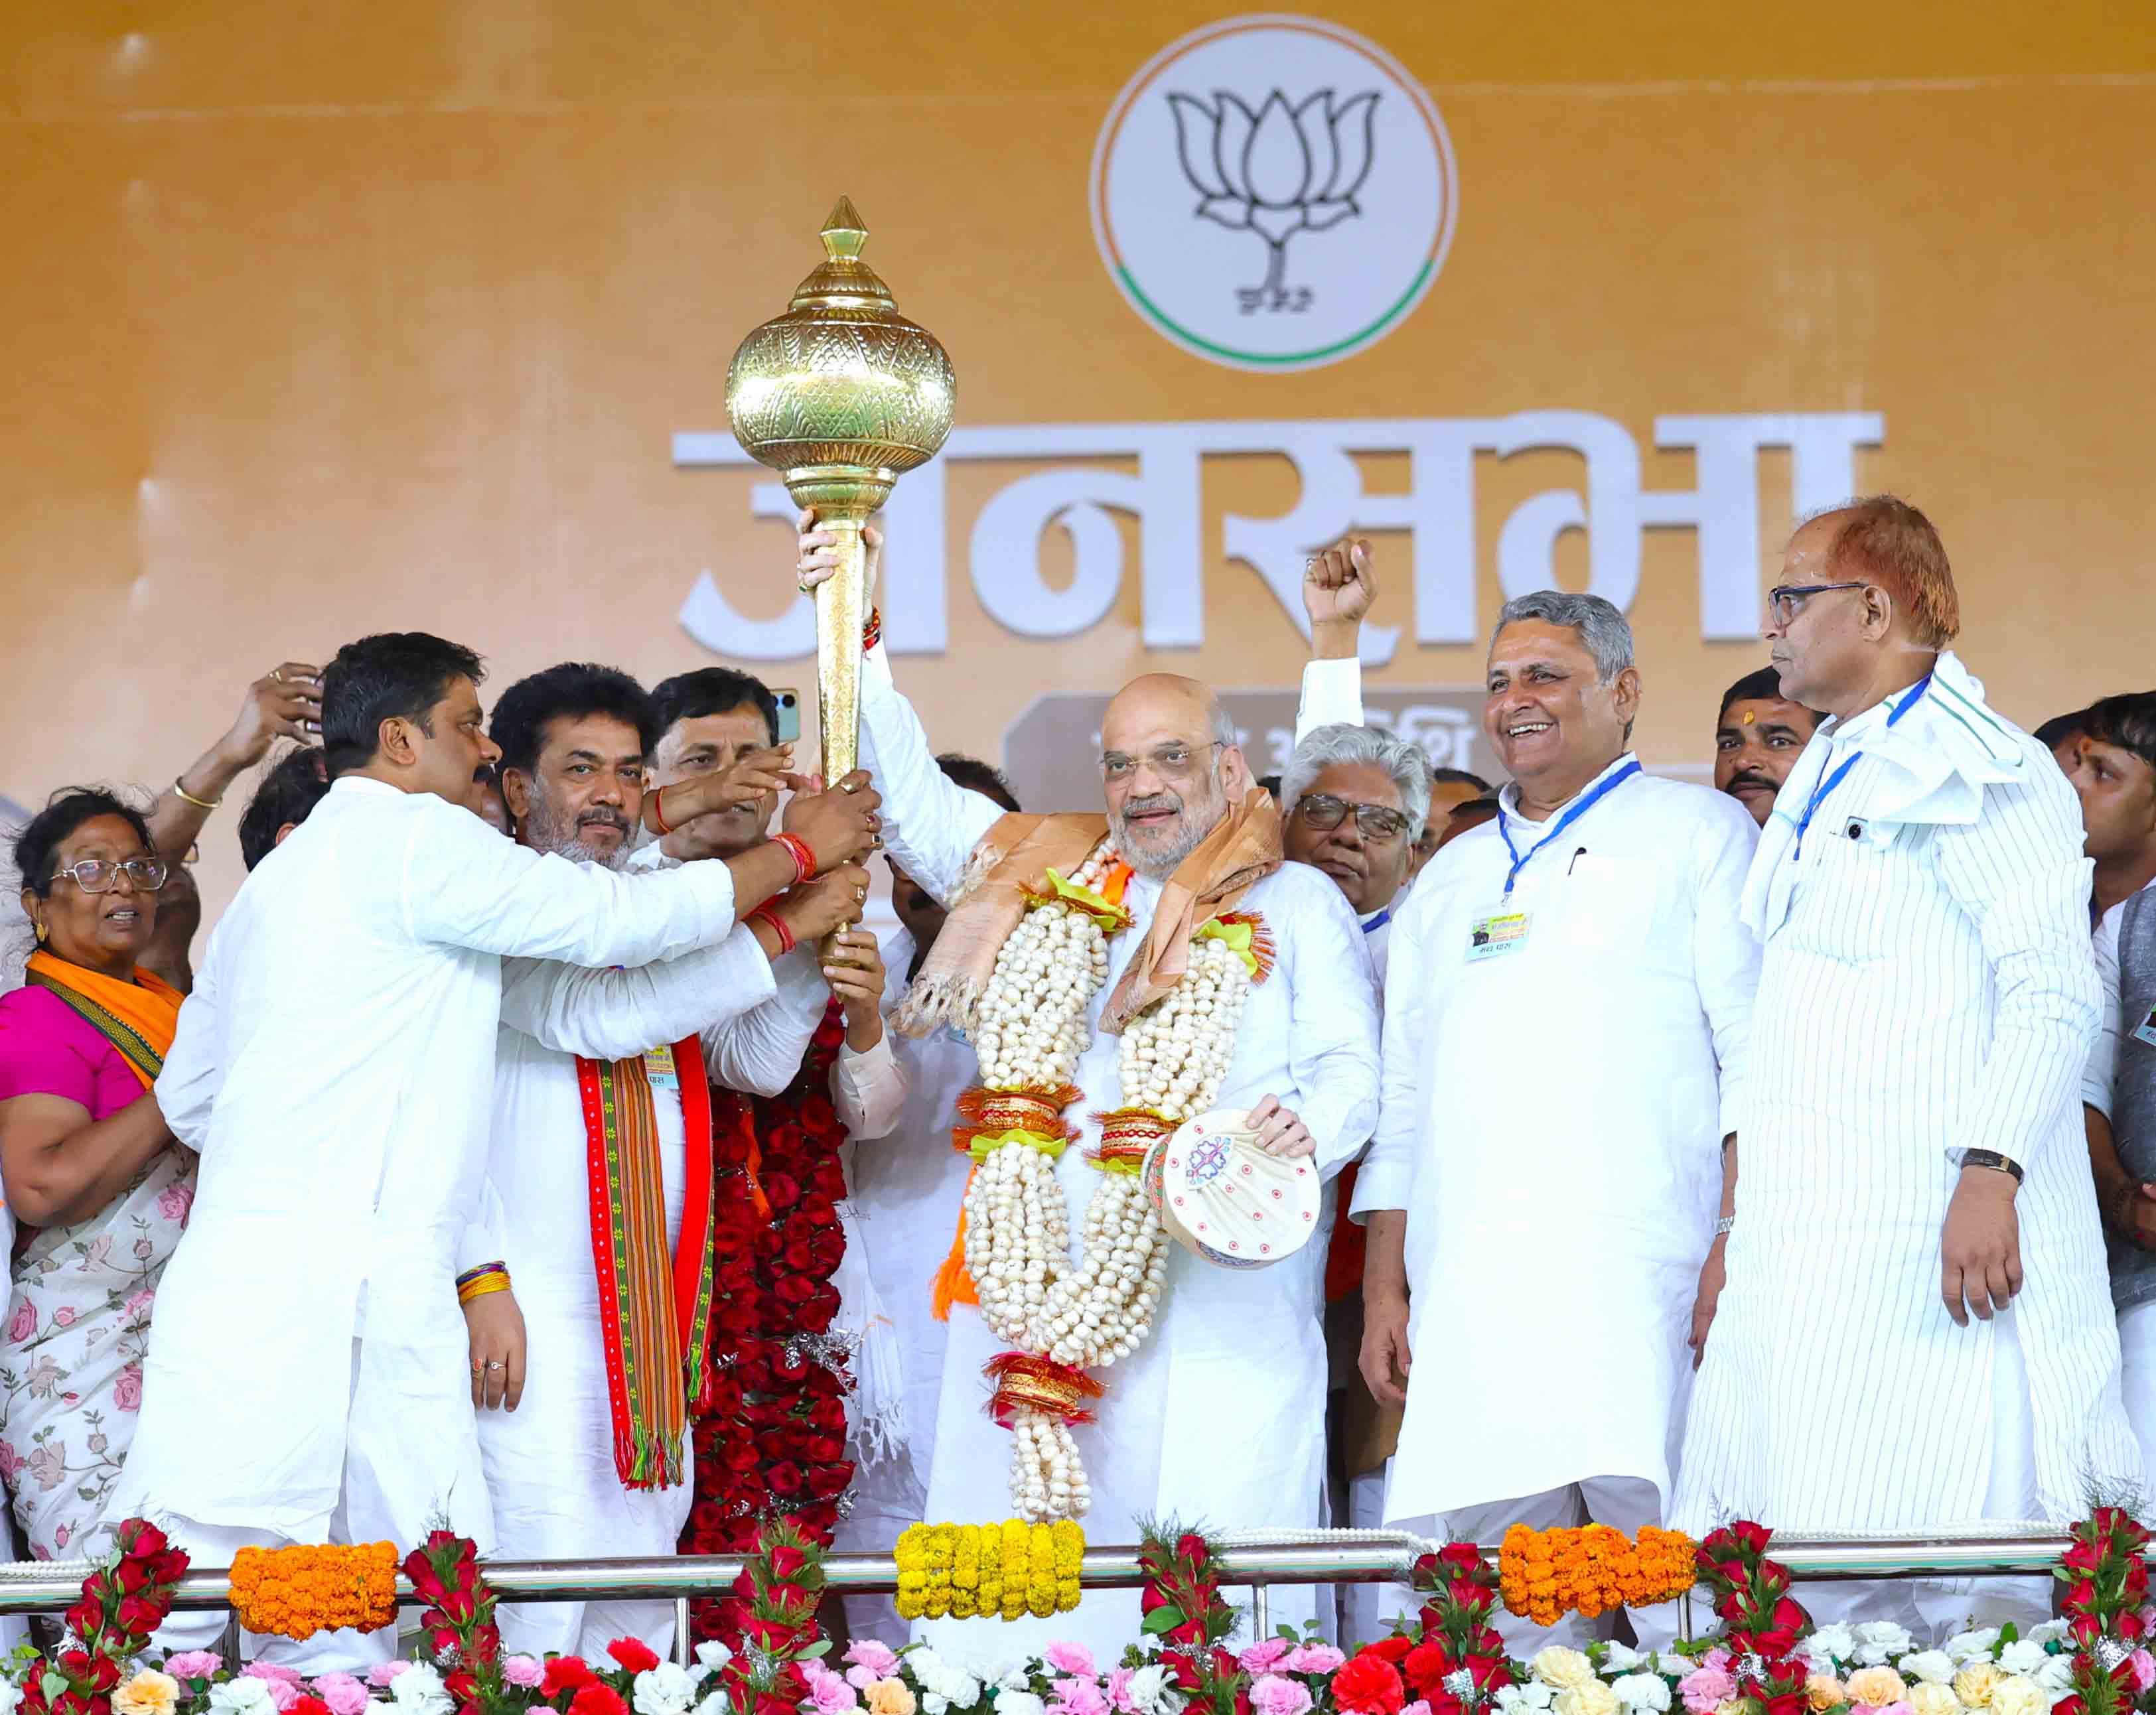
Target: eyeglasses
[99, 875]
[1788, 599]
[1322, 810]
[1175, 762]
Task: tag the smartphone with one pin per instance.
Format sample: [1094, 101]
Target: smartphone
[789, 715]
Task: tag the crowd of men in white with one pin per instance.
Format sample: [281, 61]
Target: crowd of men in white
[1526, 1020]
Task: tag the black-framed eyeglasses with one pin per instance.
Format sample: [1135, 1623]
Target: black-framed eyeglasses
[100, 875]
[1786, 600]
[1322, 810]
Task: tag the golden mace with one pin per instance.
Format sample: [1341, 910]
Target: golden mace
[841, 396]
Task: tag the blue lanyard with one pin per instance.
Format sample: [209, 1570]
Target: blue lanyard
[1378, 922]
[1827, 786]
[1563, 821]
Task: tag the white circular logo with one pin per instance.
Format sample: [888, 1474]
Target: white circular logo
[1273, 192]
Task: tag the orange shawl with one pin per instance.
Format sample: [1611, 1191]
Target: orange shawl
[138, 1018]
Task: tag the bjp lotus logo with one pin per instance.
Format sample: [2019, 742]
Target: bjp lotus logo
[1257, 131]
[1280, 171]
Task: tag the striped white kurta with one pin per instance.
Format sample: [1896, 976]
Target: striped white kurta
[1926, 986]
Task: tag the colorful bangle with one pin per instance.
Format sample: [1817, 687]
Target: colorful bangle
[872, 630]
[478, 1282]
[199, 803]
[765, 913]
[659, 811]
[804, 859]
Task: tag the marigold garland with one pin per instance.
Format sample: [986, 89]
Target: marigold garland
[296, 1592]
[982, 1570]
[1545, 1574]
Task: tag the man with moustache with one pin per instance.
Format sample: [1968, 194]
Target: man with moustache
[1915, 1184]
[1757, 738]
[1186, 815]
[335, 1070]
[1596, 1208]
[589, 1269]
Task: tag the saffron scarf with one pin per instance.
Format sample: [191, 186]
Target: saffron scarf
[138, 1018]
[654, 1319]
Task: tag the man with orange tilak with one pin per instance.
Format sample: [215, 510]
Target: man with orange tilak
[1757, 739]
[1216, 1379]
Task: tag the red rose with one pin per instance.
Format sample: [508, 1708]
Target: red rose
[794, 1289]
[145, 1538]
[170, 1566]
[786, 1560]
[786, 1479]
[1754, 1537]
[305, 1705]
[142, 1615]
[1369, 1685]
[739, 1454]
[770, 1633]
[1190, 1548]
[566, 1673]
[85, 1616]
[1464, 1557]
[633, 1656]
[1491, 1671]
[463, 1685]
[782, 1190]
[1425, 1665]
[598, 1700]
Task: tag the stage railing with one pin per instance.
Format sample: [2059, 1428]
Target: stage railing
[1250, 1559]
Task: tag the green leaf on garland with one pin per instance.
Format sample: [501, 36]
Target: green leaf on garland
[1163, 1620]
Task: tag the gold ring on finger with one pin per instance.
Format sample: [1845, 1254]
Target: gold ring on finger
[278, 674]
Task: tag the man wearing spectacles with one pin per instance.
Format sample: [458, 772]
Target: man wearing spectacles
[1579, 963]
[1915, 1175]
[1356, 801]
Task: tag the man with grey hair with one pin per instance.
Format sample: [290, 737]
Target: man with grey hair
[1583, 954]
[1356, 799]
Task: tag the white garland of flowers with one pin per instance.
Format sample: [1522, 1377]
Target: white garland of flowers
[1032, 1028]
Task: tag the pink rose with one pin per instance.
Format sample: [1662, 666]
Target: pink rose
[1312, 1658]
[137, 1306]
[2144, 1669]
[1706, 1688]
[522, 1671]
[95, 1253]
[1717, 1658]
[1077, 1697]
[1419, 1707]
[11, 1460]
[381, 1675]
[274, 1671]
[1261, 1655]
[63, 1316]
[197, 1664]
[61, 1533]
[127, 1389]
[23, 1325]
[1119, 1689]
[827, 1693]
[49, 1464]
[173, 1203]
[1272, 1695]
[345, 1696]
[1070, 1658]
[880, 1659]
[1898, 1707]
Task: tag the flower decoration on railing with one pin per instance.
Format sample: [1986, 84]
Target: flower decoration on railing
[1279, 171]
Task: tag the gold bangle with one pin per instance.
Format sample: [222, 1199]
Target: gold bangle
[190, 797]
[480, 1287]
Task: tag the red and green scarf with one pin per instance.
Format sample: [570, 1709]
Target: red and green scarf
[653, 1325]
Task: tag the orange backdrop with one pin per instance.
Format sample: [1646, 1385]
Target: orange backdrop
[337, 319]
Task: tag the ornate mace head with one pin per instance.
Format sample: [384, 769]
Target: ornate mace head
[841, 394]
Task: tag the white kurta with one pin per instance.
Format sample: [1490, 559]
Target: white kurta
[1552, 1124]
[1220, 1416]
[1927, 972]
[340, 1090]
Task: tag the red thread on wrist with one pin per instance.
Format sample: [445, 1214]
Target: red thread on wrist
[659, 811]
[765, 914]
[872, 630]
[804, 859]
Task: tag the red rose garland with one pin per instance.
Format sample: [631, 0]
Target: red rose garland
[775, 1443]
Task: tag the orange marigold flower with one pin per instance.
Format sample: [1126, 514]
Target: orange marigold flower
[297, 1592]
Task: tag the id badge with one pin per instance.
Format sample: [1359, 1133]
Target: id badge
[1494, 937]
[659, 1068]
[2145, 1032]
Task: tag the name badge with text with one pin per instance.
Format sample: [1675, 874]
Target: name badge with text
[2145, 1032]
[1494, 937]
[659, 1068]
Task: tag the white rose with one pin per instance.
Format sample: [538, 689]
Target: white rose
[713, 1656]
[1529, 1699]
[1927, 1697]
[1590, 1697]
[243, 1696]
[1646, 1691]
[2022, 1656]
[2051, 1631]
[1148, 1690]
[1836, 1642]
[718, 1703]
[2056, 1676]
[1934, 1665]
[934, 1704]
[1619, 1658]
[1973, 1645]
[663, 1690]
[419, 1690]
[1019, 1703]
[1879, 1641]
[2018, 1695]
[1562, 1668]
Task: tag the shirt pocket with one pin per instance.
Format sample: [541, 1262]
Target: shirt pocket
[1611, 907]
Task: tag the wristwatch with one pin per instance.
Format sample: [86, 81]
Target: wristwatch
[1991, 1158]
[1722, 1224]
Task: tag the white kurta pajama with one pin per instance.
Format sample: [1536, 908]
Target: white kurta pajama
[1220, 1416]
[310, 1374]
[1552, 1124]
[1928, 977]
[550, 1465]
[905, 1189]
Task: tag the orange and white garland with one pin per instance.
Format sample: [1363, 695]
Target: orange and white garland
[1061, 1320]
